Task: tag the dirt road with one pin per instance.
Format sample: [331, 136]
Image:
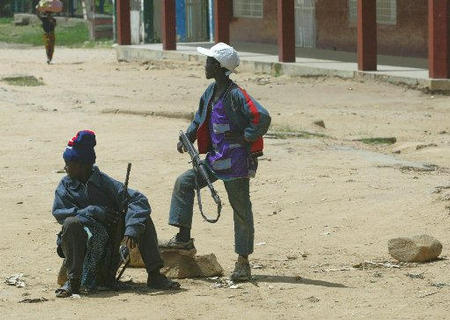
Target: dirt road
[321, 204]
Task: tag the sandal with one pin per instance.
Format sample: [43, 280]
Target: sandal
[161, 282]
[69, 287]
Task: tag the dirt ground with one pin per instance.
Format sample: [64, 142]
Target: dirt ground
[321, 204]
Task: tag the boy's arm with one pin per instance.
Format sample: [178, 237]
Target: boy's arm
[191, 131]
[137, 214]
[258, 117]
[137, 208]
[64, 206]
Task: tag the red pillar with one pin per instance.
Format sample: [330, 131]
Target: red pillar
[438, 38]
[169, 31]
[123, 22]
[222, 15]
[367, 35]
[286, 30]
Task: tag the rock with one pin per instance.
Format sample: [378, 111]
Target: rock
[137, 262]
[439, 189]
[26, 19]
[33, 300]
[16, 280]
[415, 275]
[412, 146]
[183, 263]
[313, 299]
[21, 20]
[423, 146]
[136, 259]
[438, 284]
[320, 123]
[208, 265]
[182, 266]
[422, 248]
[405, 147]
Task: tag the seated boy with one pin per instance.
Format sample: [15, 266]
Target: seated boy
[87, 204]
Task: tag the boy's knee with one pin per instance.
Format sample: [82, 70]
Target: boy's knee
[183, 183]
[72, 223]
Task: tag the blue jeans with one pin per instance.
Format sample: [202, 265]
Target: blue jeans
[182, 203]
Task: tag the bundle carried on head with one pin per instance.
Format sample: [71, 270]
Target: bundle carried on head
[54, 6]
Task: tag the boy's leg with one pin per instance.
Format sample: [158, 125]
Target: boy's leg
[148, 246]
[239, 197]
[181, 206]
[73, 244]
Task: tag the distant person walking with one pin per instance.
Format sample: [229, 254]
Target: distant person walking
[48, 24]
[45, 10]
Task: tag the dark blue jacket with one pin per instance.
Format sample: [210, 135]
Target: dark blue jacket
[90, 202]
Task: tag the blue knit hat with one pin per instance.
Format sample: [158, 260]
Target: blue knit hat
[81, 148]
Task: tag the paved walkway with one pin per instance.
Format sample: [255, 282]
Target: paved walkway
[267, 62]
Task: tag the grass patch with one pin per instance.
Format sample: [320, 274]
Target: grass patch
[378, 140]
[276, 69]
[5, 20]
[32, 34]
[23, 81]
[284, 132]
[74, 36]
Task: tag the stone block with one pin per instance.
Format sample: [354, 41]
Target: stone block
[183, 263]
[422, 248]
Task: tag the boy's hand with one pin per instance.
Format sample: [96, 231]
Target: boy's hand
[130, 242]
[232, 137]
[180, 147]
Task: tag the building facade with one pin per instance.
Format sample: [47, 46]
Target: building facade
[402, 27]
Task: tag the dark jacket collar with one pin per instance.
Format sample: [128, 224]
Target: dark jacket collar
[95, 179]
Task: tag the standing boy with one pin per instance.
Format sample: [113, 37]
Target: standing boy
[228, 127]
[87, 204]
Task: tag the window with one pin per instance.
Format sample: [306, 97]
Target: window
[248, 8]
[386, 11]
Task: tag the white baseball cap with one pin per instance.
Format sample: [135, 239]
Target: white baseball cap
[225, 54]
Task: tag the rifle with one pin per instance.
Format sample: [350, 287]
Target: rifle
[120, 253]
[200, 169]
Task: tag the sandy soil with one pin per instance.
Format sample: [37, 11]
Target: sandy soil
[321, 205]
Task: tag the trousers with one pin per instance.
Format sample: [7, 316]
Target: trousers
[182, 204]
[74, 240]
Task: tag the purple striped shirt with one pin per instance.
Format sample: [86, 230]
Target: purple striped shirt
[227, 160]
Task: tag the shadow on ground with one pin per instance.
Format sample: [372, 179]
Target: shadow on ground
[296, 280]
[137, 288]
